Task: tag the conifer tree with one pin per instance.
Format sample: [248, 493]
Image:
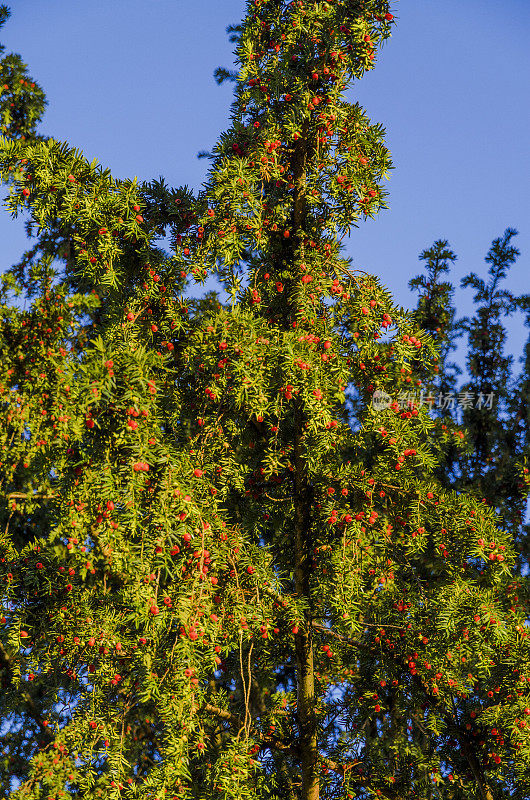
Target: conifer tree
[213, 587]
[435, 313]
[489, 405]
[496, 465]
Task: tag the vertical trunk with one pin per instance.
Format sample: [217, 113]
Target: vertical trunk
[484, 790]
[307, 718]
[305, 676]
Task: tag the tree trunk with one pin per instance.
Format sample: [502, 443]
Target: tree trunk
[483, 788]
[305, 676]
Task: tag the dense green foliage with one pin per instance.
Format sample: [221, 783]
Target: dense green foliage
[214, 585]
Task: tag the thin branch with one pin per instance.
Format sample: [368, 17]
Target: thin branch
[26, 496]
[341, 769]
[237, 724]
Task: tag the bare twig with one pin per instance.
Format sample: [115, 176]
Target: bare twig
[26, 496]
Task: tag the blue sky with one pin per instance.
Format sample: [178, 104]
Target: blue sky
[131, 83]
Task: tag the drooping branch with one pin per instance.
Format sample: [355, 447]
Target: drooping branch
[238, 725]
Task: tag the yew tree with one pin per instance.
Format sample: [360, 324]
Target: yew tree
[212, 584]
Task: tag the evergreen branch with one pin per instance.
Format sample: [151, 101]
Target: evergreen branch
[238, 725]
[26, 496]
[341, 769]
[221, 75]
[485, 792]
[7, 664]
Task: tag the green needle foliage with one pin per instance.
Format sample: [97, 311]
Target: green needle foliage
[489, 405]
[212, 586]
[436, 314]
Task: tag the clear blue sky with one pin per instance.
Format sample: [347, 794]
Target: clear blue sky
[130, 82]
